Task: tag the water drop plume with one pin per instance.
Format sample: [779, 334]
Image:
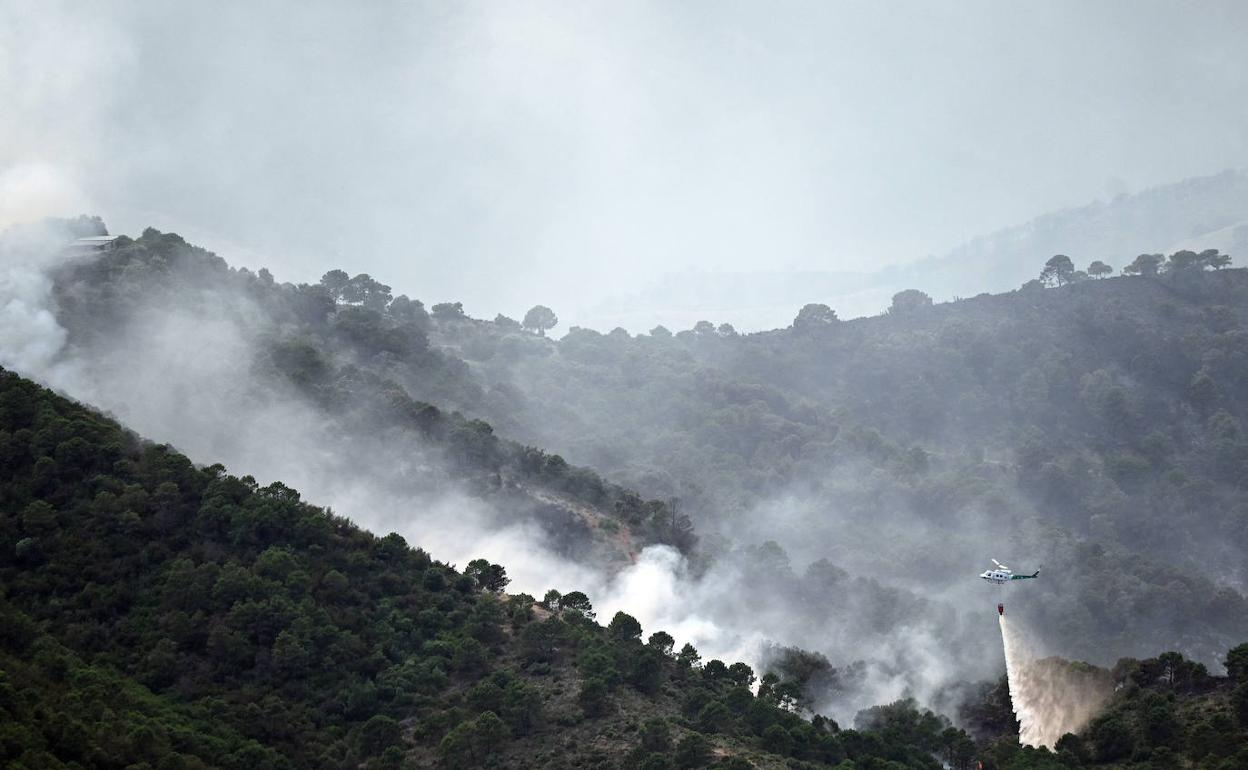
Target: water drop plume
[1050, 696]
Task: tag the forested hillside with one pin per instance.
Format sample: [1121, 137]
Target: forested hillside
[156, 614]
[1093, 428]
[1138, 378]
[1165, 712]
[347, 352]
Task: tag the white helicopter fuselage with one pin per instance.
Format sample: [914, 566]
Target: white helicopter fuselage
[998, 576]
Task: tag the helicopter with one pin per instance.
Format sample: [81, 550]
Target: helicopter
[1002, 575]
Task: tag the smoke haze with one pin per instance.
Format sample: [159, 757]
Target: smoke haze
[186, 368]
[584, 152]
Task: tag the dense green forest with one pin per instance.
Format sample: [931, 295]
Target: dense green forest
[162, 615]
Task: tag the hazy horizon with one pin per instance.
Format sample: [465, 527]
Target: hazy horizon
[504, 156]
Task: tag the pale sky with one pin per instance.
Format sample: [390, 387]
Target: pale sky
[504, 154]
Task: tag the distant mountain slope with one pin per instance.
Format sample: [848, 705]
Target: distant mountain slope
[1187, 214]
[1198, 213]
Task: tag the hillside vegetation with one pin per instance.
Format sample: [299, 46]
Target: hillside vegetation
[174, 615]
[160, 615]
[349, 352]
[1094, 428]
[1166, 712]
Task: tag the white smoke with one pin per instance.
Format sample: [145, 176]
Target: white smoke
[1051, 697]
[183, 371]
[30, 337]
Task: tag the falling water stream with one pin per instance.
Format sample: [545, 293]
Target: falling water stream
[1050, 696]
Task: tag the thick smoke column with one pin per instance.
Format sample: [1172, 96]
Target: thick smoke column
[1051, 697]
[30, 336]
